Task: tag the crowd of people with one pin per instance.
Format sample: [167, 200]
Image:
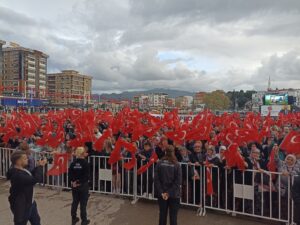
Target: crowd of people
[248, 151]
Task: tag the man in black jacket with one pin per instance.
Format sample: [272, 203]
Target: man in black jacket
[296, 198]
[21, 200]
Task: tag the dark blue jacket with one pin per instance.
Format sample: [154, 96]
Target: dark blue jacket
[168, 178]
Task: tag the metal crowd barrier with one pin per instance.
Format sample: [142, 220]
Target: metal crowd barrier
[293, 206]
[111, 179]
[265, 195]
[5, 154]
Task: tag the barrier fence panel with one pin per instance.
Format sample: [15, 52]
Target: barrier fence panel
[56, 181]
[192, 185]
[110, 179]
[145, 182]
[295, 205]
[260, 194]
[253, 193]
[5, 154]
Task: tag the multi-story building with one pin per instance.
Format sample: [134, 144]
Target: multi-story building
[170, 103]
[181, 102]
[23, 72]
[69, 88]
[198, 100]
[190, 100]
[113, 105]
[1, 56]
[143, 102]
[136, 102]
[157, 100]
[257, 100]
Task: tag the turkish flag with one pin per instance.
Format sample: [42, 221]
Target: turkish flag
[145, 167]
[98, 145]
[60, 164]
[291, 143]
[132, 149]
[115, 155]
[131, 163]
[137, 132]
[233, 157]
[209, 184]
[271, 164]
[177, 136]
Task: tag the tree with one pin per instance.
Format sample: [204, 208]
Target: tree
[239, 98]
[217, 100]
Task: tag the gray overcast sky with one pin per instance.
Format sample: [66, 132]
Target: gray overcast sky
[182, 44]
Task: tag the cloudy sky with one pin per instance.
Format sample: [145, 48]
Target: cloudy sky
[181, 44]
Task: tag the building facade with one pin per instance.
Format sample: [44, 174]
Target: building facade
[1, 56]
[258, 98]
[69, 88]
[170, 103]
[181, 102]
[198, 100]
[157, 100]
[23, 72]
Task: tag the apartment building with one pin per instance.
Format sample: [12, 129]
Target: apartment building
[23, 72]
[1, 56]
[69, 88]
[157, 100]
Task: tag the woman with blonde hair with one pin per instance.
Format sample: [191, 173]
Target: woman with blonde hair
[79, 177]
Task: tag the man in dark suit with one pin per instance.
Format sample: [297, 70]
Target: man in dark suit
[21, 199]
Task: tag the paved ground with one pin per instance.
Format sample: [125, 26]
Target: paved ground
[54, 209]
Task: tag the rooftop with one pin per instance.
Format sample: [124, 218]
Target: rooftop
[16, 47]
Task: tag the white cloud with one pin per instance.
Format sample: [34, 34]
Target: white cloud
[226, 44]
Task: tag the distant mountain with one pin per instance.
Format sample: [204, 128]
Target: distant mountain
[130, 94]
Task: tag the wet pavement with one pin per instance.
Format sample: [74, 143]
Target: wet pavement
[54, 208]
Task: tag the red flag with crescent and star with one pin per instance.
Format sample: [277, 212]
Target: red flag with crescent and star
[291, 143]
[60, 164]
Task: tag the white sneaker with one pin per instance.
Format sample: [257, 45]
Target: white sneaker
[145, 195]
[150, 196]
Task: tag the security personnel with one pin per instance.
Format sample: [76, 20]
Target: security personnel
[167, 181]
[79, 177]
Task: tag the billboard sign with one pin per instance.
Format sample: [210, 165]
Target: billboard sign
[276, 99]
[274, 109]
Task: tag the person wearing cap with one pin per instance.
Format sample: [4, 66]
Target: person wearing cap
[167, 182]
[21, 199]
[79, 177]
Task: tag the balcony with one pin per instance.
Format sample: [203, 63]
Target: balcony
[31, 79]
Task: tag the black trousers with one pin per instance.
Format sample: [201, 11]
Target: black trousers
[171, 205]
[33, 216]
[80, 195]
[296, 215]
